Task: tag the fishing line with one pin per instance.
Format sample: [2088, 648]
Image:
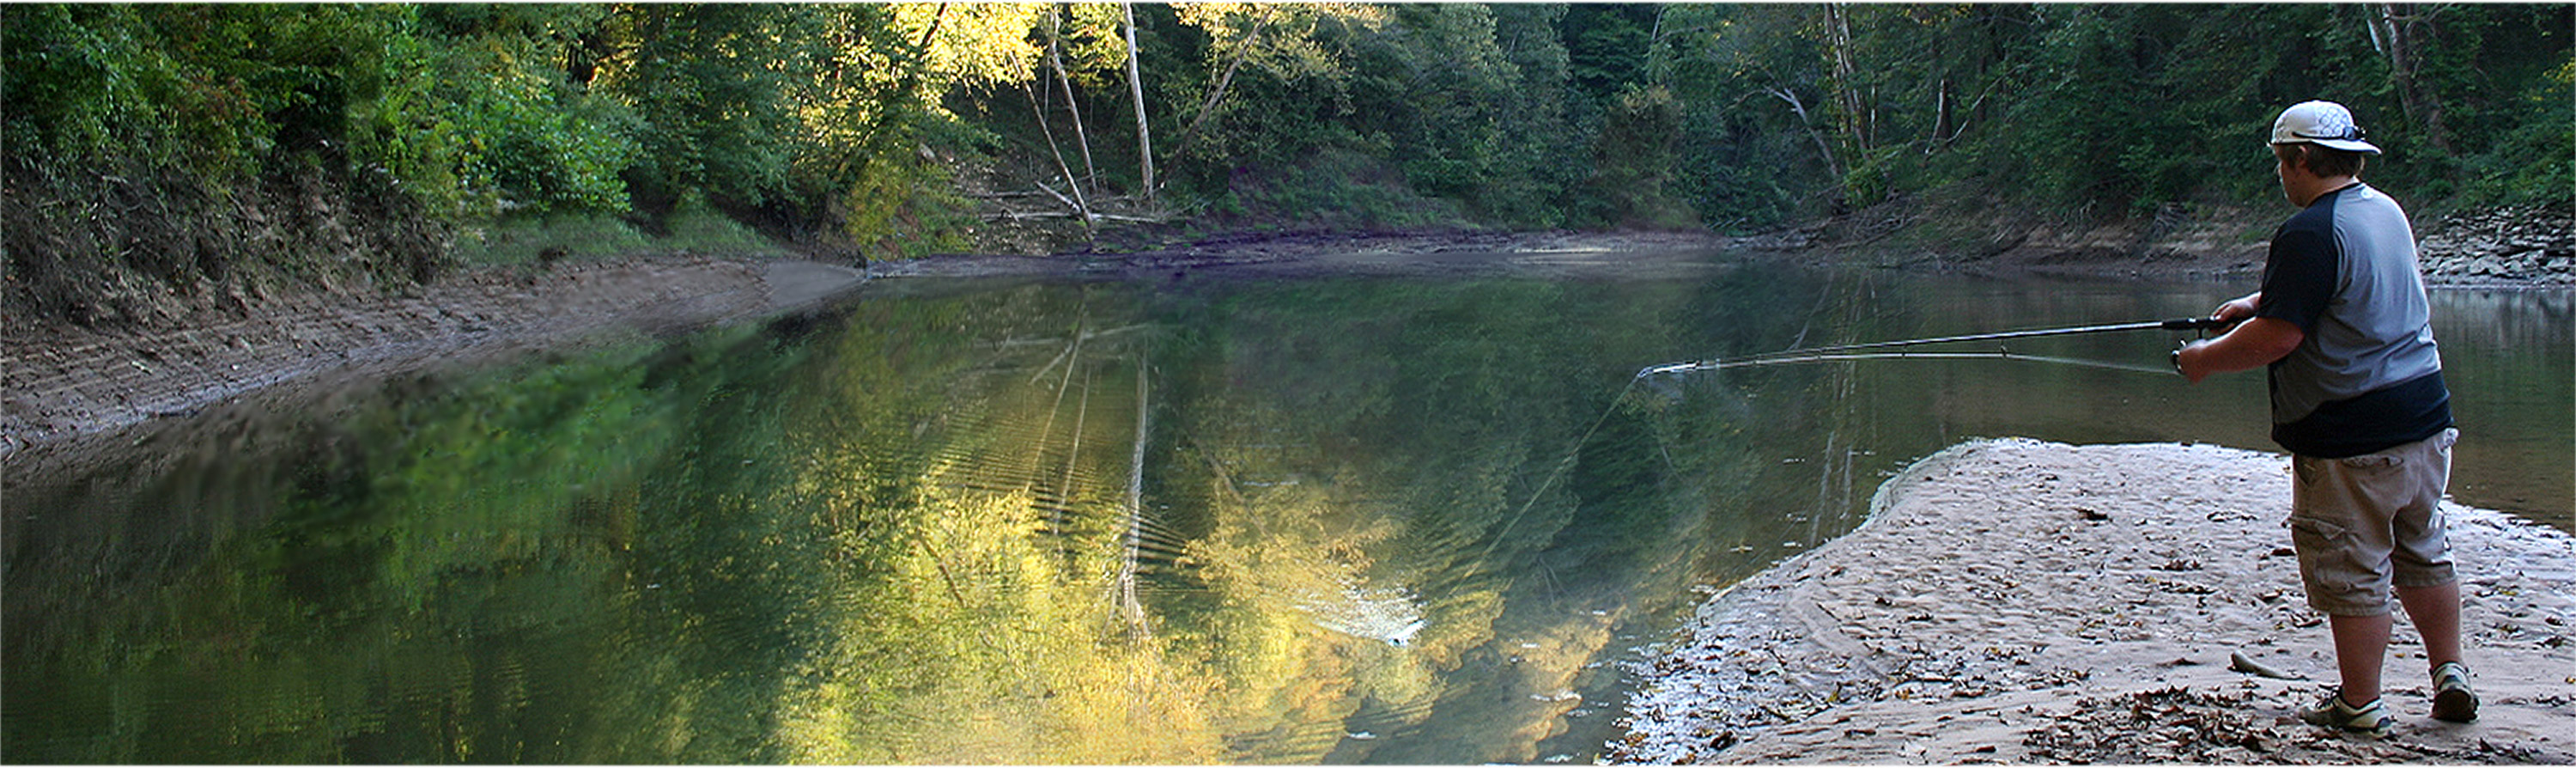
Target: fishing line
[1561, 466]
[1861, 351]
[1824, 353]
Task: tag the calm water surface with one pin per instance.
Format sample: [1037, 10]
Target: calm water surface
[1342, 521]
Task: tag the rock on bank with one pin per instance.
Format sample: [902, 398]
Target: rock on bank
[2019, 601]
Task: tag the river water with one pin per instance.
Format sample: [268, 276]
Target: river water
[1385, 520]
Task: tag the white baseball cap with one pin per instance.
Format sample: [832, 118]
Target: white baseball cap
[2323, 123]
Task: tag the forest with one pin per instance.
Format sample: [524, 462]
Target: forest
[213, 151]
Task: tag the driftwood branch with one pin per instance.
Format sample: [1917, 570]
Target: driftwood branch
[1068, 202]
[1025, 215]
[1072, 209]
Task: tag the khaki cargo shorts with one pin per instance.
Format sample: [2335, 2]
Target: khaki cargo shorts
[2365, 522]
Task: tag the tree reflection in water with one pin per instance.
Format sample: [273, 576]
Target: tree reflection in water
[1340, 521]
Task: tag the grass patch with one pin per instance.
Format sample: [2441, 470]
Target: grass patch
[698, 229]
[694, 229]
[573, 236]
[1339, 189]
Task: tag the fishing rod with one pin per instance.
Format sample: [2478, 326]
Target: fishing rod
[1864, 351]
[1997, 354]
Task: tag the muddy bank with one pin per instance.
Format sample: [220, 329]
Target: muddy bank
[2025, 602]
[63, 382]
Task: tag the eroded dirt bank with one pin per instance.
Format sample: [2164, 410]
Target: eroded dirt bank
[60, 382]
[2026, 602]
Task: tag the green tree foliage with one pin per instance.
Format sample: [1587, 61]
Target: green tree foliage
[1635, 162]
[1606, 45]
[846, 126]
[216, 137]
[518, 98]
[2497, 78]
[2191, 93]
[1272, 84]
[1475, 122]
[717, 84]
[1751, 117]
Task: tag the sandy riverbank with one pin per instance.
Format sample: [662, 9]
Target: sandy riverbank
[2025, 602]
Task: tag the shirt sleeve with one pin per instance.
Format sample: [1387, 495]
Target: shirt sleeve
[2299, 277]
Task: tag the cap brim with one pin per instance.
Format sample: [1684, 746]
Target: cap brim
[2363, 147]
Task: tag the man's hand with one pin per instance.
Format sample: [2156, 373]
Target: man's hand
[2187, 361]
[2239, 309]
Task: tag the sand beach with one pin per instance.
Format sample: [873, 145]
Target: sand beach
[2018, 601]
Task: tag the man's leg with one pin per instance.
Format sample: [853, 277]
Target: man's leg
[2360, 642]
[2436, 613]
[2425, 580]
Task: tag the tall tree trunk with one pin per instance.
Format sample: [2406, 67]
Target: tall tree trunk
[1136, 87]
[2397, 24]
[1846, 88]
[1081, 136]
[1833, 166]
[1081, 203]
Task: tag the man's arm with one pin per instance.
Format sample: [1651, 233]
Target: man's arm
[2252, 344]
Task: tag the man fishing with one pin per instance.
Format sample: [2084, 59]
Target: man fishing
[2344, 327]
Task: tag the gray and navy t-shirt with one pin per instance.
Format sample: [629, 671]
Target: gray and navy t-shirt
[2368, 377]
